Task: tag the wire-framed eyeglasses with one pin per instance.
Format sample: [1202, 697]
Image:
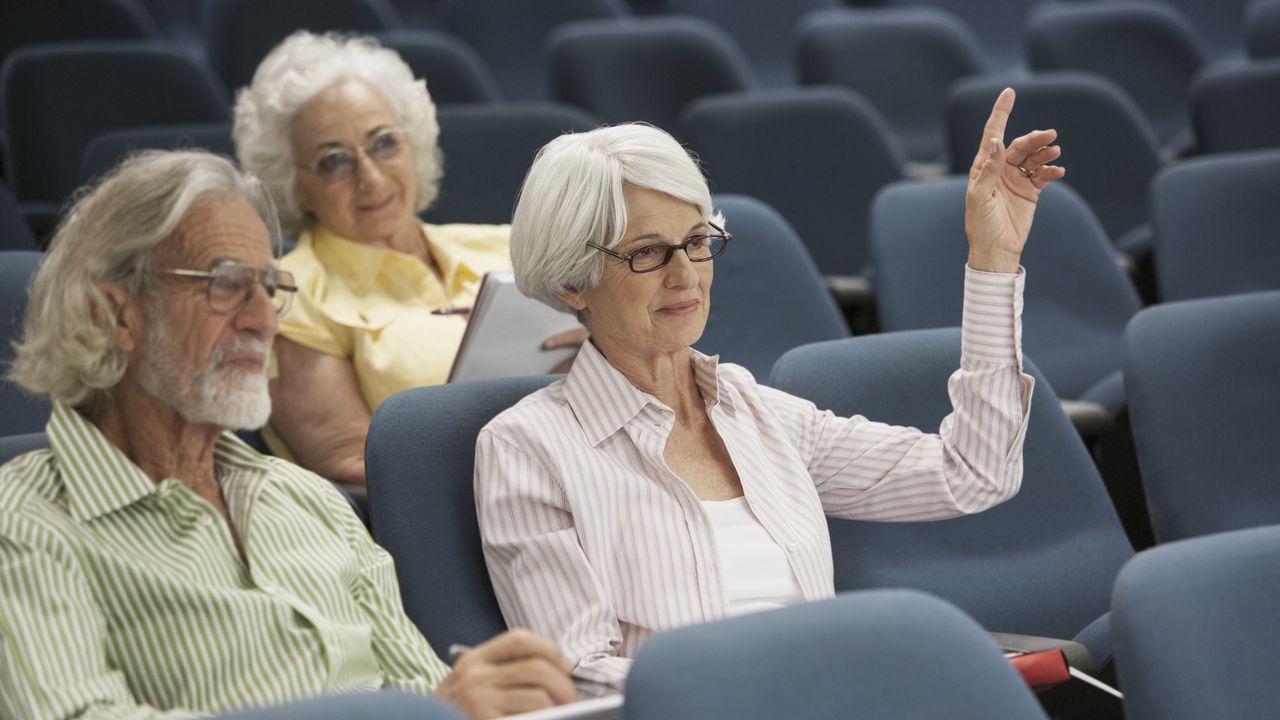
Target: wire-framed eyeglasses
[231, 285]
[339, 164]
[699, 248]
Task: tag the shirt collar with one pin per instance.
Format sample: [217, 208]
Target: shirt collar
[360, 263]
[98, 476]
[604, 401]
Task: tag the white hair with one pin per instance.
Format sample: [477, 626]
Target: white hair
[297, 70]
[573, 195]
[68, 349]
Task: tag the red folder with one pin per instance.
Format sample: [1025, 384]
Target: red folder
[1041, 670]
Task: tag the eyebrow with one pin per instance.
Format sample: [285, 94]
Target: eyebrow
[630, 242]
[374, 132]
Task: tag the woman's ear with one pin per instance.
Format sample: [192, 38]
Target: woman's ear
[573, 298]
[122, 313]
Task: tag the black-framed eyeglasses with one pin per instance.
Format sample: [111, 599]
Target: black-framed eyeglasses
[339, 164]
[699, 248]
[231, 285]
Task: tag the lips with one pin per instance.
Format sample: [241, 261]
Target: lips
[687, 307]
[378, 205]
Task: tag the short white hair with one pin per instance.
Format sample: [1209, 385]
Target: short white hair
[573, 195]
[111, 234]
[298, 69]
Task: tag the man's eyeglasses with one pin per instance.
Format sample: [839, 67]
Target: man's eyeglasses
[231, 285]
[699, 248]
[339, 164]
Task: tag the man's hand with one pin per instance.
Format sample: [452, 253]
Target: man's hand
[514, 672]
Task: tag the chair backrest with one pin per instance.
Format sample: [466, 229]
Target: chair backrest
[15, 231]
[997, 24]
[1108, 147]
[42, 23]
[116, 85]
[817, 155]
[1077, 299]
[511, 36]
[1214, 225]
[764, 29]
[1238, 107]
[487, 152]
[11, 446]
[1218, 24]
[419, 462]
[106, 151]
[875, 655]
[384, 705]
[1196, 628]
[1203, 379]
[1149, 50]
[927, 49]
[1262, 29]
[767, 296]
[1041, 563]
[239, 33]
[22, 412]
[644, 69]
[454, 72]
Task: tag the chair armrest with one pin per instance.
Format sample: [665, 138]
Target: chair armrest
[1090, 419]
[1078, 656]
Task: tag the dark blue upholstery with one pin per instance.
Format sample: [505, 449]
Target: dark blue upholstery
[1203, 378]
[1108, 148]
[22, 413]
[1262, 29]
[386, 705]
[767, 296]
[105, 151]
[41, 23]
[644, 69]
[875, 655]
[454, 72]
[764, 29]
[1149, 50]
[1041, 563]
[997, 24]
[115, 85]
[925, 48]
[1077, 299]
[1218, 24]
[817, 155]
[511, 36]
[487, 152]
[1197, 625]
[239, 33]
[419, 459]
[1214, 220]
[11, 446]
[15, 233]
[1237, 108]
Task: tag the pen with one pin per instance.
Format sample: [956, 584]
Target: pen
[456, 310]
[587, 687]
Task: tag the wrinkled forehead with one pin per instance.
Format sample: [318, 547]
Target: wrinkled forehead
[218, 229]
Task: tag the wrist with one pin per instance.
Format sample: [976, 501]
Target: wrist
[994, 261]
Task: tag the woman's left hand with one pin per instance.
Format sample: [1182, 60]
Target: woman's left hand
[1004, 185]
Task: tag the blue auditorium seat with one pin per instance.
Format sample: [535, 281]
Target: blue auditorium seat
[22, 413]
[1237, 108]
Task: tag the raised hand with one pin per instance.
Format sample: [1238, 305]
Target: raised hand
[1004, 185]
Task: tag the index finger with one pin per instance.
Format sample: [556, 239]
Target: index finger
[999, 118]
[520, 644]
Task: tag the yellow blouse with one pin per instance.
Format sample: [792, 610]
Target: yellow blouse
[372, 305]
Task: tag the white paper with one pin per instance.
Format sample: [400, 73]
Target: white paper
[505, 332]
[608, 707]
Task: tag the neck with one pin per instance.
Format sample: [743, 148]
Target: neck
[158, 439]
[668, 376]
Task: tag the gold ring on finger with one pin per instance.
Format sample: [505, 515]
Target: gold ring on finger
[1026, 172]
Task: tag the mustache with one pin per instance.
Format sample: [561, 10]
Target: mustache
[243, 343]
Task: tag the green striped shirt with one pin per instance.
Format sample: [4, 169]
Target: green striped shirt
[124, 598]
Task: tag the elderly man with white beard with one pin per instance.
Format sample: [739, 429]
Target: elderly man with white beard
[151, 563]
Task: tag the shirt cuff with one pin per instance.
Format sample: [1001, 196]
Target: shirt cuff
[991, 328]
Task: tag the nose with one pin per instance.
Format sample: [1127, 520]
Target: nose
[681, 271]
[367, 169]
[258, 315]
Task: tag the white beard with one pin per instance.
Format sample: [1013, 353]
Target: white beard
[227, 397]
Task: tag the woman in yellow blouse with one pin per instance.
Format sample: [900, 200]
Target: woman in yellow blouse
[345, 139]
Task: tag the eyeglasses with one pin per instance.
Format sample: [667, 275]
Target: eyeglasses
[339, 164]
[231, 285]
[699, 248]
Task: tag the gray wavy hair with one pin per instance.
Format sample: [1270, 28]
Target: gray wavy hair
[297, 70]
[68, 349]
[573, 195]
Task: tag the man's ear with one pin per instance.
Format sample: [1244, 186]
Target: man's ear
[572, 298]
[123, 312]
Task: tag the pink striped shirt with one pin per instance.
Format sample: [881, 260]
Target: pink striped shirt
[592, 540]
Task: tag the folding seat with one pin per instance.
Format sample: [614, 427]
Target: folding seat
[22, 412]
[453, 71]
[42, 23]
[1197, 626]
[997, 24]
[1262, 29]
[1214, 225]
[1218, 24]
[1148, 50]
[487, 152]
[116, 86]
[15, 233]
[1041, 563]
[645, 69]
[511, 36]
[1203, 378]
[239, 33]
[11, 446]
[874, 655]
[1237, 108]
[384, 705]
[901, 59]
[105, 151]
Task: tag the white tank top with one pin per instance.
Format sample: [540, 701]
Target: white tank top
[755, 570]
